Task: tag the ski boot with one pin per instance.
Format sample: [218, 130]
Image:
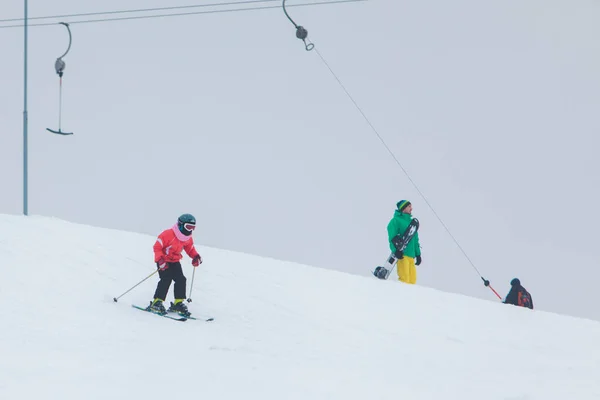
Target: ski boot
[180, 308]
[157, 307]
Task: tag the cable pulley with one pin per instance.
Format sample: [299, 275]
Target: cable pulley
[301, 32]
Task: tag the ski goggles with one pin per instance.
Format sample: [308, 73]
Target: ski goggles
[189, 227]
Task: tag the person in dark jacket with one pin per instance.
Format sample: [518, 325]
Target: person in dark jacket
[518, 295]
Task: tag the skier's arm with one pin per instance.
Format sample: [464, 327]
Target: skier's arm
[392, 230]
[190, 249]
[158, 247]
[417, 244]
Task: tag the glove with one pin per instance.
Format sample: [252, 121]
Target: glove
[418, 262]
[197, 260]
[161, 264]
[398, 254]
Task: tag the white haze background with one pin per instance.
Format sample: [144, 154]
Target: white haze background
[491, 107]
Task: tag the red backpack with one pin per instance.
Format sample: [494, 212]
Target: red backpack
[524, 299]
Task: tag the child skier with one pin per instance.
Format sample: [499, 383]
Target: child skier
[167, 254]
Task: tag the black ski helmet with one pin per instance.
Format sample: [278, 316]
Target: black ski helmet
[183, 220]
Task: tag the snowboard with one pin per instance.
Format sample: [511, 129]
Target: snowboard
[400, 241]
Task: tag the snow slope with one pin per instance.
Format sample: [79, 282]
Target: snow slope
[281, 331]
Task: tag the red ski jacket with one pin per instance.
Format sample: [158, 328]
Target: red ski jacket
[171, 243]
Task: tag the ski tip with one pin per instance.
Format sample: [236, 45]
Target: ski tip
[201, 319]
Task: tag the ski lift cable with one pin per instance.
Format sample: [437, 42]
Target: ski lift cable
[140, 10]
[161, 15]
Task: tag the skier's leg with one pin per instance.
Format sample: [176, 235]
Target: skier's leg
[166, 276]
[178, 305]
[180, 282]
[413, 271]
[407, 271]
[403, 270]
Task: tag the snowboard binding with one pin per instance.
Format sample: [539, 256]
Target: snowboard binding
[381, 272]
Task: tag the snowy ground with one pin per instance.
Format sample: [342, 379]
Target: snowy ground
[281, 330]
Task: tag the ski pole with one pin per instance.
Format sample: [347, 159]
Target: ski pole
[192, 285]
[117, 298]
[487, 283]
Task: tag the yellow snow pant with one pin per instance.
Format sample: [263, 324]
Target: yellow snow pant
[407, 272]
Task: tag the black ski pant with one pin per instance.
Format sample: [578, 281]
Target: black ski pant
[172, 273]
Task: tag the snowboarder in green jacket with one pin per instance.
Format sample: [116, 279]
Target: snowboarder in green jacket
[411, 256]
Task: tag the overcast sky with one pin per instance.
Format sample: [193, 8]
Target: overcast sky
[490, 107]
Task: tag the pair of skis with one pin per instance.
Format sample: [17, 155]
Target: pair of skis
[400, 242]
[181, 318]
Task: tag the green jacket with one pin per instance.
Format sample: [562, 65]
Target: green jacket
[398, 225]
